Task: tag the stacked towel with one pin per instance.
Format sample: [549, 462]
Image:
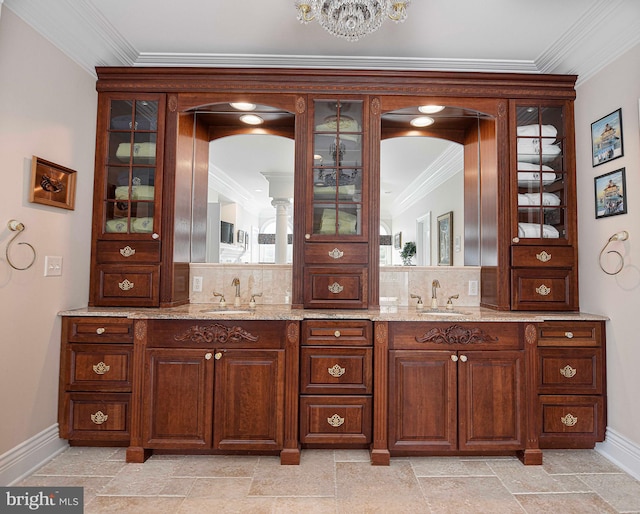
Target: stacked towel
[137, 193]
[348, 222]
[550, 199]
[532, 230]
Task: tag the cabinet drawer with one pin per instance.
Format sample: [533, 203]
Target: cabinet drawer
[131, 285]
[336, 333]
[339, 287]
[98, 330]
[578, 370]
[131, 252]
[422, 335]
[99, 367]
[537, 289]
[542, 256]
[571, 421]
[336, 253]
[335, 420]
[337, 370]
[576, 333]
[97, 417]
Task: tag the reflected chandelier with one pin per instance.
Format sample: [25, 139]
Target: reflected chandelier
[351, 19]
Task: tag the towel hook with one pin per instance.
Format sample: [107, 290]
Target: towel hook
[16, 226]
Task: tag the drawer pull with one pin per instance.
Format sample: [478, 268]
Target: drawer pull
[127, 251]
[101, 368]
[335, 288]
[568, 335]
[454, 358]
[336, 371]
[125, 285]
[337, 333]
[568, 371]
[99, 417]
[100, 330]
[543, 290]
[336, 254]
[217, 356]
[569, 420]
[463, 358]
[335, 420]
[208, 356]
[543, 256]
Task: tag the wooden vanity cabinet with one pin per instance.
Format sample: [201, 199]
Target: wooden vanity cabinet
[212, 386]
[336, 384]
[455, 387]
[96, 375]
[571, 383]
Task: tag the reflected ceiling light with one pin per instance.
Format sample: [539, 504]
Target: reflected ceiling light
[243, 106]
[351, 19]
[422, 121]
[251, 119]
[430, 109]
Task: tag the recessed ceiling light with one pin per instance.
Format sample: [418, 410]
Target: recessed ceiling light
[251, 119]
[430, 109]
[243, 106]
[422, 121]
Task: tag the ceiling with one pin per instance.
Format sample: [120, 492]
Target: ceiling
[546, 36]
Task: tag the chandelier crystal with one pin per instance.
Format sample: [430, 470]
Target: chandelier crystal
[351, 19]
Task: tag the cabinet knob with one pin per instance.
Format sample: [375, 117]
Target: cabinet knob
[336, 254]
[126, 285]
[101, 368]
[127, 251]
[336, 371]
[100, 330]
[568, 335]
[155, 236]
[208, 356]
[335, 420]
[335, 288]
[337, 333]
[218, 356]
[463, 358]
[543, 290]
[307, 236]
[99, 417]
[454, 358]
[516, 240]
[568, 371]
[569, 420]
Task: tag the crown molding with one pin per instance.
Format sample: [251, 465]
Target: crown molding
[229, 188]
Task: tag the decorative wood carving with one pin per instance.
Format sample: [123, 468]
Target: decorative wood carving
[292, 332]
[216, 334]
[530, 334]
[455, 334]
[140, 330]
[301, 105]
[173, 103]
[375, 106]
[381, 333]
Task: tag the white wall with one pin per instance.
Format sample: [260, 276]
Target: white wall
[616, 86]
[47, 108]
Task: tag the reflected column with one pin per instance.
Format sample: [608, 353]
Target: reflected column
[282, 218]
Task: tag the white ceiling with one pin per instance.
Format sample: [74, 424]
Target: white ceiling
[542, 36]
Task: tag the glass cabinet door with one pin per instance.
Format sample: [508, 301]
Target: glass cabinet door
[541, 172]
[337, 168]
[130, 182]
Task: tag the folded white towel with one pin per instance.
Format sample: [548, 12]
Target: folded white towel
[534, 199]
[531, 166]
[532, 230]
[527, 179]
[142, 225]
[119, 225]
[537, 130]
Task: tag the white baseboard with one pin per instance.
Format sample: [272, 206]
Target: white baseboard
[622, 452]
[28, 456]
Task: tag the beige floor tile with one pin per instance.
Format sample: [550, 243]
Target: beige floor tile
[619, 490]
[352, 456]
[134, 505]
[231, 506]
[449, 466]
[220, 488]
[83, 463]
[148, 479]
[90, 485]
[473, 495]
[217, 466]
[306, 505]
[568, 503]
[315, 476]
[534, 479]
[576, 461]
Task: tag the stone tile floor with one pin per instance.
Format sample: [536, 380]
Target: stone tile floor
[342, 481]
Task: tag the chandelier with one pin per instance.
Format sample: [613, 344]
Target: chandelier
[351, 19]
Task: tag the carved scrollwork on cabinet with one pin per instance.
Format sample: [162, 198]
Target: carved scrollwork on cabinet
[216, 333]
[456, 334]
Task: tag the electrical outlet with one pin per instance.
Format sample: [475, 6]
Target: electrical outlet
[52, 266]
[473, 288]
[197, 284]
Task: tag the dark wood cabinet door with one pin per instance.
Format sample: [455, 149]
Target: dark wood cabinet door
[422, 401]
[249, 400]
[491, 400]
[178, 398]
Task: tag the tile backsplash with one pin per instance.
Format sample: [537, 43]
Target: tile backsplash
[397, 283]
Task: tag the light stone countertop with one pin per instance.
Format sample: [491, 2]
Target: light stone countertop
[212, 311]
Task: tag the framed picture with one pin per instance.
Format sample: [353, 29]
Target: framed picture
[240, 237]
[52, 184]
[445, 239]
[397, 241]
[606, 138]
[610, 190]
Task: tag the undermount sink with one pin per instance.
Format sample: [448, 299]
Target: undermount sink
[223, 312]
[444, 313]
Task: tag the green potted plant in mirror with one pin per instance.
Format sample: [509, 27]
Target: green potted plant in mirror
[407, 253]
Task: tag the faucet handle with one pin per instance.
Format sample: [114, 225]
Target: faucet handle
[223, 302]
[419, 305]
[252, 302]
[450, 303]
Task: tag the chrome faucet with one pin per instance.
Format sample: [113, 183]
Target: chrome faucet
[236, 282]
[434, 299]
